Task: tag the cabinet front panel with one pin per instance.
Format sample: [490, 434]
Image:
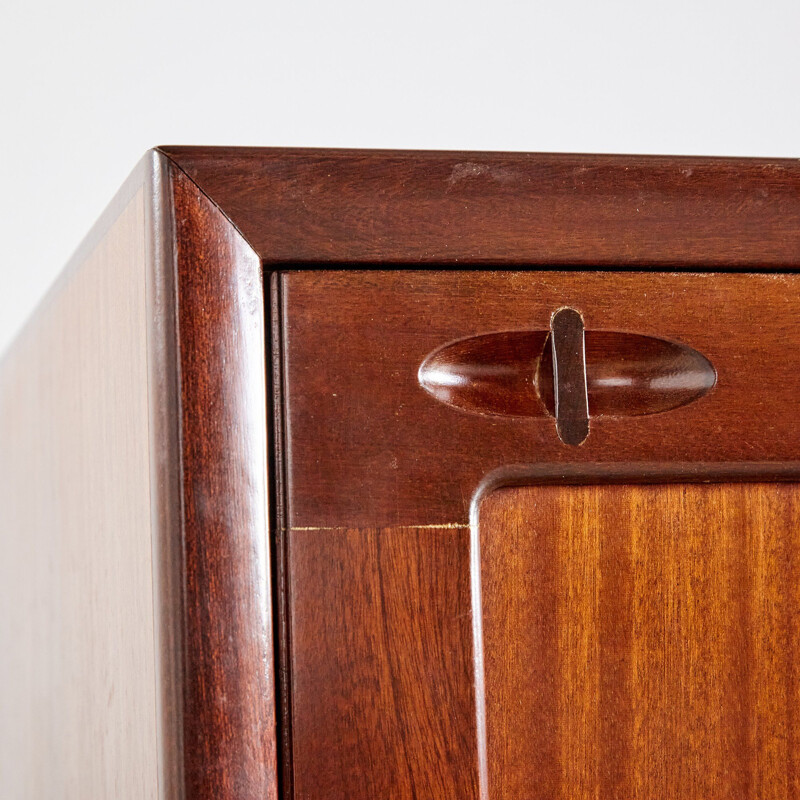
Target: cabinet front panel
[359, 414]
[382, 670]
[641, 641]
[532, 539]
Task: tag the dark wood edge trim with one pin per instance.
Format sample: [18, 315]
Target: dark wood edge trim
[209, 422]
[165, 472]
[303, 208]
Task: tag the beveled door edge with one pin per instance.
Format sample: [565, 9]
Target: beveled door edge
[583, 475]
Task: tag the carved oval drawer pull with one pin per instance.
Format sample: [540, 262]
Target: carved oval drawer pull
[567, 373]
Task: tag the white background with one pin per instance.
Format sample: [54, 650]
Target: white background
[87, 86]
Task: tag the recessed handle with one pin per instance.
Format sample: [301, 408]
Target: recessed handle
[541, 373]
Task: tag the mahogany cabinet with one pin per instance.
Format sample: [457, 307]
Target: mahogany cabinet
[346, 475]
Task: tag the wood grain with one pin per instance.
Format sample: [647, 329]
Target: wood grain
[383, 701]
[228, 696]
[77, 652]
[358, 416]
[313, 207]
[641, 641]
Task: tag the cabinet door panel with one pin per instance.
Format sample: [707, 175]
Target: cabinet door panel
[641, 641]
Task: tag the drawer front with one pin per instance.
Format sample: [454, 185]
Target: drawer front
[539, 529]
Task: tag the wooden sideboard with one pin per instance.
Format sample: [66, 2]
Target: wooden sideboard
[357, 475]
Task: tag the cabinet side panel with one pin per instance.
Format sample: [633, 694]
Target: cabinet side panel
[77, 661]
